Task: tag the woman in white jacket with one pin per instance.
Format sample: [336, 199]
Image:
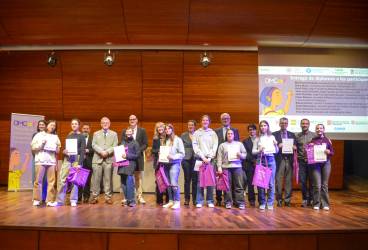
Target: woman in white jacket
[172, 168]
[46, 145]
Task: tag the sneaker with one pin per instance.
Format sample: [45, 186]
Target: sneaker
[168, 205]
[228, 206]
[73, 203]
[262, 207]
[51, 204]
[141, 200]
[36, 203]
[176, 205]
[241, 206]
[316, 208]
[198, 205]
[304, 203]
[132, 204]
[94, 201]
[270, 207]
[211, 205]
[326, 208]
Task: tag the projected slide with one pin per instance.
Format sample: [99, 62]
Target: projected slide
[335, 97]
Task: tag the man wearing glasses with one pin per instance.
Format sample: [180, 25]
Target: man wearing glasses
[140, 135]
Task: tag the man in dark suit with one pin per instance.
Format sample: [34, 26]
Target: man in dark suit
[284, 164]
[140, 135]
[249, 163]
[87, 163]
[221, 134]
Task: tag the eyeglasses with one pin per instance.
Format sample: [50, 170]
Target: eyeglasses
[132, 119]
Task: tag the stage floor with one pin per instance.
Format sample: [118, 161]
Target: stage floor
[349, 211]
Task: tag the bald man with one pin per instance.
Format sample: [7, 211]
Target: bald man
[103, 144]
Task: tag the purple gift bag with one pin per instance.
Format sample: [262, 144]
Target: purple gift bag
[161, 179]
[206, 176]
[222, 181]
[78, 176]
[309, 149]
[121, 163]
[262, 175]
[296, 167]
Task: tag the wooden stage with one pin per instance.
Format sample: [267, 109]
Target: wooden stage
[103, 226]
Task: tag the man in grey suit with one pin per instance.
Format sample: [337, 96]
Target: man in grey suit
[103, 144]
[221, 134]
[140, 135]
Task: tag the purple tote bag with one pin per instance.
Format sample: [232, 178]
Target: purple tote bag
[262, 175]
[206, 176]
[78, 176]
[161, 180]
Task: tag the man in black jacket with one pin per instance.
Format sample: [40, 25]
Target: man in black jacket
[140, 135]
[87, 163]
[284, 163]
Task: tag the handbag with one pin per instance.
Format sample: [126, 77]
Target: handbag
[161, 179]
[296, 167]
[309, 149]
[206, 175]
[222, 181]
[78, 176]
[262, 175]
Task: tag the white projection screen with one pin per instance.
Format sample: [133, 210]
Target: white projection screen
[323, 85]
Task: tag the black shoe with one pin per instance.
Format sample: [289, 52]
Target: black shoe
[218, 203]
[287, 204]
[186, 203]
[304, 203]
[252, 204]
[279, 203]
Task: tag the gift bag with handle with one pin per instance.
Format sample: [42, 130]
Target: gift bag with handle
[161, 179]
[207, 175]
[262, 174]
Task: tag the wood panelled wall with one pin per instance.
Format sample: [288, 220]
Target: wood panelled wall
[169, 86]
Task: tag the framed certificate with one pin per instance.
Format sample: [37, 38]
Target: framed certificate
[118, 153]
[319, 153]
[71, 145]
[164, 154]
[287, 146]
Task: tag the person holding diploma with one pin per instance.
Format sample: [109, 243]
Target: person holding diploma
[188, 164]
[175, 154]
[127, 172]
[302, 139]
[103, 144]
[249, 163]
[221, 135]
[229, 156]
[74, 154]
[265, 146]
[140, 135]
[286, 142]
[158, 140]
[321, 171]
[205, 144]
[45, 145]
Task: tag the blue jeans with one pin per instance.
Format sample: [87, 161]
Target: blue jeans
[172, 172]
[305, 180]
[128, 187]
[271, 163]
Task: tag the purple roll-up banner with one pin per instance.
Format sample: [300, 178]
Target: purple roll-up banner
[22, 128]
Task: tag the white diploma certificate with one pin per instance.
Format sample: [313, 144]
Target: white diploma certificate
[164, 154]
[118, 153]
[287, 146]
[268, 145]
[319, 153]
[232, 151]
[71, 145]
[51, 144]
[197, 165]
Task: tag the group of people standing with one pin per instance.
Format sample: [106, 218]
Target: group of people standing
[220, 150]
